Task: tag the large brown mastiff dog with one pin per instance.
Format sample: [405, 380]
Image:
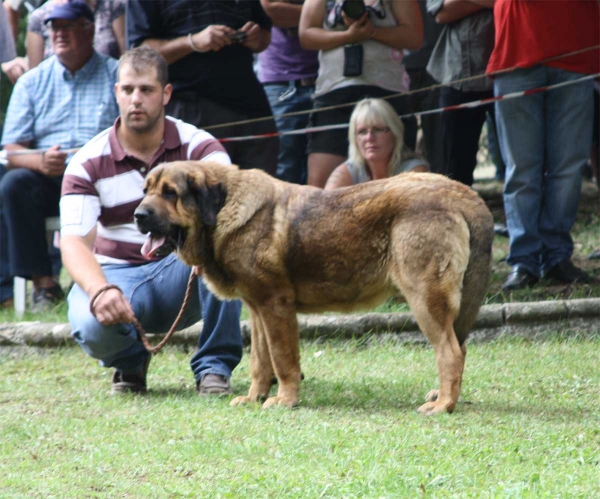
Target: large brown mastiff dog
[284, 248]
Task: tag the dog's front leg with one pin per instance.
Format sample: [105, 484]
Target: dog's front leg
[281, 330]
[261, 368]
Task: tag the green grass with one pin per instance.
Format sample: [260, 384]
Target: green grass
[527, 425]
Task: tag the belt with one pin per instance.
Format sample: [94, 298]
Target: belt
[302, 82]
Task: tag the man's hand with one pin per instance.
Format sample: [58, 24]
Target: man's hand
[53, 162]
[14, 69]
[111, 307]
[212, 38]
[359, 30]
[257, 39]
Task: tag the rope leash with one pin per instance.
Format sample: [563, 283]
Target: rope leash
[139, 328]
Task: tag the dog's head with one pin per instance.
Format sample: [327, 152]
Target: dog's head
[181, 200]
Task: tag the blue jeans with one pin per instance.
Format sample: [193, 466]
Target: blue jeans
[545, 141]
[287, 98]
[156, 291]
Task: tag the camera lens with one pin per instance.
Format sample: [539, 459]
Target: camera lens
[353, 8]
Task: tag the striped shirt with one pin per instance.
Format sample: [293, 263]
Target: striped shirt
[50, 106]
[103, 186]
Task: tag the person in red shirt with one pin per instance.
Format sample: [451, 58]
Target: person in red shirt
[545, 138]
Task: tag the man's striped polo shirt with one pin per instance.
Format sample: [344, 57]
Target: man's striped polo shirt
[103, 186]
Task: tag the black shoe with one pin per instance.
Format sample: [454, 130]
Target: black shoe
[519, 278]
[594, 255]
[131, 382]
[565, 271]
[44, 299]
[501, 230]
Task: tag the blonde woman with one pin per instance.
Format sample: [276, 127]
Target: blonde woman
[376, 147]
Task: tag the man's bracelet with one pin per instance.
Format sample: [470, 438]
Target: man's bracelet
[193, 45]
[99, 292]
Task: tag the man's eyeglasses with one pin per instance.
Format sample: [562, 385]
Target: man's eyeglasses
[67, 26]
[377, 131]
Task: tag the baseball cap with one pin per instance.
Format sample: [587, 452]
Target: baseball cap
[71, 11]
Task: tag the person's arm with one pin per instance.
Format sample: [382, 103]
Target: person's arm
[409, 32]
[50, 163]
[283, 13]
[314, 37]
[453, 10]
[14, 69]
[35, 48]
[340, 177]
[111, 307]
[118, 26]
[212, 38]
[14, 16]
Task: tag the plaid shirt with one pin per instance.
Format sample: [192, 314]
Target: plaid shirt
[50, 106]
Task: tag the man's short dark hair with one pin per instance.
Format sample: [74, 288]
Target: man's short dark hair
[141, 58]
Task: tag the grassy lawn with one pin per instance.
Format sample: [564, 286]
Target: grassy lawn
[527, 425]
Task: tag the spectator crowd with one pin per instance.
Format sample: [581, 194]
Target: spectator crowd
[104, 90]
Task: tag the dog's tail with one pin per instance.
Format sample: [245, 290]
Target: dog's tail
[477, 274]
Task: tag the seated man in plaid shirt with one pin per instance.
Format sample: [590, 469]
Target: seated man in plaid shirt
[61, 104]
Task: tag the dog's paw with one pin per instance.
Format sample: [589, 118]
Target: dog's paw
[242, 401]
[433, 408]
[290, 403]
[432, 395]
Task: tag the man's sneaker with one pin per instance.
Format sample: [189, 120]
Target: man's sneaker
[131, 382]
[214, 384]
[44, 299]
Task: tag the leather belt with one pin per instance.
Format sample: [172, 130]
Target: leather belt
[302, 82]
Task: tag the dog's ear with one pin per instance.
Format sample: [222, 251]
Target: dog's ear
[210, 199]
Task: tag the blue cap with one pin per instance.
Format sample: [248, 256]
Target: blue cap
[70, 11]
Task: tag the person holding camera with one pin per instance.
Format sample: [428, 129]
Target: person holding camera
[209, 47]
[361, 44]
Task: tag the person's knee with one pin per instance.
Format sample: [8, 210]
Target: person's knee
[98, 341]
[14, 183]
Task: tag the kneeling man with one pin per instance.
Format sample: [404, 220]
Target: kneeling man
[101, 244]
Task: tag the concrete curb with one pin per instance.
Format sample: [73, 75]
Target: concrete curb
[532, 320]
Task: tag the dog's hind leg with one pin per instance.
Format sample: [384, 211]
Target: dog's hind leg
[450, 357]
[429, 262]
[261, 368]
[432, 395]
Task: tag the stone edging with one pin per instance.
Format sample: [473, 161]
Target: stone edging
[520, 319]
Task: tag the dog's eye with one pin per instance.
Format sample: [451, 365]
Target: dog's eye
[169, 193]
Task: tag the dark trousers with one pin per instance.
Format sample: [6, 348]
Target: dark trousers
[203, 113]
[460, 133]
[429, 145]
[27, 198]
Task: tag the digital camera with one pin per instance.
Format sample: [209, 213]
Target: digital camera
[354, 9]
[237, 37]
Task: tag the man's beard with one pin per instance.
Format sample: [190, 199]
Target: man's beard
[143, 127]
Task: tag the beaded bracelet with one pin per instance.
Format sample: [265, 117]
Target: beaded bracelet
[193, 45]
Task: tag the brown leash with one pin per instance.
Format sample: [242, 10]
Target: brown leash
[137, 324]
